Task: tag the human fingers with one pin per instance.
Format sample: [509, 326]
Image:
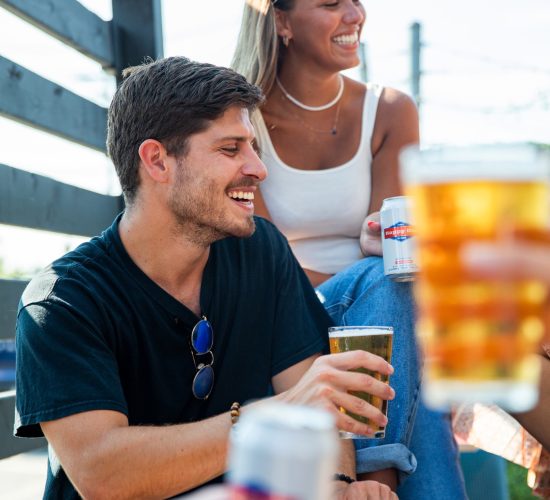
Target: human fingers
[350, 360]
[374, 228]
[360, 407]
[513, 260]
[369, 239]
[371, 490]
[358, 382]
[346, 423]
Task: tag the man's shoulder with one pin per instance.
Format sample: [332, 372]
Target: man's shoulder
[66, 270]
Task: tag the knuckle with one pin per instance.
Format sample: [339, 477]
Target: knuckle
[320, 361]
[359, 406]
[325, 391]
[325, 375]
[368, 382]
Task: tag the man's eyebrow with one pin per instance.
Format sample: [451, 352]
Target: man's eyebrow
[239, 138]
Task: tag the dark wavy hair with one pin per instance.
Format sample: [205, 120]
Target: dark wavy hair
[169, 100]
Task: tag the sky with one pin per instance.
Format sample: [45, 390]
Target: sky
[485, 79]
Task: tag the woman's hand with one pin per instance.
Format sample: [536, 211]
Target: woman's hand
[370, 240]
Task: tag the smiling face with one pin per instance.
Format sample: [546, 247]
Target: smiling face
[212, 195]
[325, 32]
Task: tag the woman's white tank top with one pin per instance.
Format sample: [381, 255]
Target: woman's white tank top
[321, 211]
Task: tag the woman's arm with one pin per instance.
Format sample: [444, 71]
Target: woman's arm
[396, 126]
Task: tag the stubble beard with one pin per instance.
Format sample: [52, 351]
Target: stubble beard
[197, 218]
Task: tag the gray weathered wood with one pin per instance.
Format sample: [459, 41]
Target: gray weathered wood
[10, 445]
[137, 28]
[35, 201]
[35, 101]
[70, 22]
[10, 292]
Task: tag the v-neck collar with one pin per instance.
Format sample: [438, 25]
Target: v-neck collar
[167, 301]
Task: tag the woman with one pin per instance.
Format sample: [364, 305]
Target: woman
[331, 145]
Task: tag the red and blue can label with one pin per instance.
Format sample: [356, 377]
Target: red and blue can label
[398, 240]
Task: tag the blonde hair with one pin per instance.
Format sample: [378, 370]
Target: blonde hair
[258, 47]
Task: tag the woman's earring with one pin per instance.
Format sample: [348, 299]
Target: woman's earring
[285, 40]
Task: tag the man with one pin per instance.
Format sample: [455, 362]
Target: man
[131, 388]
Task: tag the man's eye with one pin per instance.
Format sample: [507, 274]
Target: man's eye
[256, 148]
[332, 4]
[230, 150]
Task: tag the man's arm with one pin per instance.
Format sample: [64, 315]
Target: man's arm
[376, 484]
[286, 380]
[105, 457]
[520, 260]
[537, 421]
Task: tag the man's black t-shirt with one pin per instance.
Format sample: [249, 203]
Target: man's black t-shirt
[95, 333]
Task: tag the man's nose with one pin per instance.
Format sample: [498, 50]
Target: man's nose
[254, 166]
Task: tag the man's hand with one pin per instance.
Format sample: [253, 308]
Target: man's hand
[364, 490]
[327, 382]
[370, 241]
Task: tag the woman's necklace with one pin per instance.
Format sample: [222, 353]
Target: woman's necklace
[333, 130]
[296, 102]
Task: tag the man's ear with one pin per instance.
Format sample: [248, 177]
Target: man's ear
[154, 158]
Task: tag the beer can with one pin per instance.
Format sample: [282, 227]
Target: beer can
[283, 452]
[398, 241]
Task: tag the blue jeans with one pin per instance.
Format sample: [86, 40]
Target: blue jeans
[416, 438]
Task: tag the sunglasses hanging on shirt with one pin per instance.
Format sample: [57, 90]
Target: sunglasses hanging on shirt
[200, 343]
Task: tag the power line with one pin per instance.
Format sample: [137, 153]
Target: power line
[542, 101]
[504, 65]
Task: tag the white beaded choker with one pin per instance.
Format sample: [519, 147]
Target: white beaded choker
[295, 101]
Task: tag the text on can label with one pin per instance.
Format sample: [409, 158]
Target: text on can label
[400, 231]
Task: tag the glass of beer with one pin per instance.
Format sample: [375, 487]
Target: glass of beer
[479, 336]
[376, 340]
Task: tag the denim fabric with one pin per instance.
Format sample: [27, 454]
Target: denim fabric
[362, 295]
[438, 475]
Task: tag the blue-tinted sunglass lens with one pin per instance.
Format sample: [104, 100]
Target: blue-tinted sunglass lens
[202, 337]
[203, 382]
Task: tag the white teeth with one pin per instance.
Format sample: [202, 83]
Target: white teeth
[346, 39]
[243, 195]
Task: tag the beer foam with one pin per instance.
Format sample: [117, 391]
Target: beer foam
[505, 163]
[339, 332]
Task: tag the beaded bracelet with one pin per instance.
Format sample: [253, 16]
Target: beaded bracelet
[343, 477]
[235, 412]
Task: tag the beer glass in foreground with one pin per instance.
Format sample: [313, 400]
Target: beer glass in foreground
[478, 335]
[377, 340]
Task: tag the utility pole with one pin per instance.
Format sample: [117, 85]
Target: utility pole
[363, 68]
[416, 72]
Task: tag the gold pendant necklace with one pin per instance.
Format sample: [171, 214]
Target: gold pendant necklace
[333, 130]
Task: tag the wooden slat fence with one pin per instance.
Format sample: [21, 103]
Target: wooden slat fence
[38, 202]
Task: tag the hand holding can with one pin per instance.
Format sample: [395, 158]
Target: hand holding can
[398, 241]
